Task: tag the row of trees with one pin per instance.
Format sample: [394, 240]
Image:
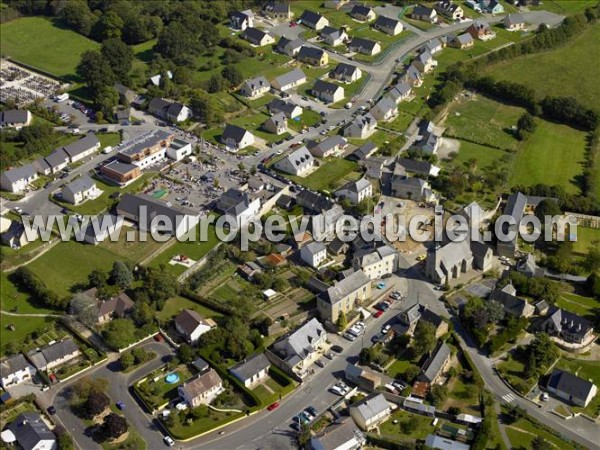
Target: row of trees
[29, 281]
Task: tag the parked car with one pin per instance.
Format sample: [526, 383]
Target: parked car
[378, 314]
[51, 410]
[312, 410]
[386, 328]
[349, 336]
[337, 349]
[320, 363]
[273, 406]
[169, 441]
[421, 257]
[381, 285]
[120, 405]
[328, 355]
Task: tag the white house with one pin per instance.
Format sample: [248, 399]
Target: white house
[82, 148]
[201, 390]
[30, 432]
[15, 118]
[289, 80]
[257, 37]
[276, 124]
[54, 355]
[342, 435]
[238, 206]
[178, 149]
[169, 110]
[377, 263]
[240, 20]
[333, 36]
[17, 179]
[425, 62]
[80, 190]
[14, 370]
[361, 127]
[346, 73]
[370, 412]
[388, 25]
[192, 325]
[291, 110]
[252, 370]
[313, 254]
[313, 20]
[364, 46]
[300, 349]
[355, 191]
[514, 22]
[298, 163]
[571, 388]
[255, 87]
[363, 13]
[289, 47]
[328, 92]
[236, 137]
[385, 109]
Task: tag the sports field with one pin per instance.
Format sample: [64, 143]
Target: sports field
[574, 73]
[37, 42]
[553, 155]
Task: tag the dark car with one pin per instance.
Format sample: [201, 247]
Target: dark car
[51, 410]
[337, 349]
[120, 405]
[312, 410]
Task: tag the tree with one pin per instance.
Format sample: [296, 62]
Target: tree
[95, 69]
[77, 15]
[438, 394]
[119, 333]
[593, 284]
[95, 404]
[409, 425]
[64, 441]
[142, 313]
[186, 353]
[127, 360]
[542, 352]
[342, 321]
[525, 126]
[411, 373]
[86, 385]
[139, 355]
[114, 426]
[105, 100]
[539, 443]
[592, 259]
[121, 274]
[119, 55]
[215, 84]
[424, 338]
[232, 75]
[547, 208]
[85, 308]
[495, 311]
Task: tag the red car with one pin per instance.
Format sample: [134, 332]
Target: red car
[378, 314]
[158, 337]
[273, 406]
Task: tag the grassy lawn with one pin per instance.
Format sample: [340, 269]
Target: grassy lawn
[523, 432]
[68, 264]
[389, 429]
[586, 239]
[251, 121]
[464, 395]
[37, 42]
[484, 121]
[584, 306]
[174, 305]
[308, 118]
[159, 392]
[135, 250]
[12, 257]
[184, 430]
[588, 370]
[567, 63]
[513, 371]
[329, 175]
[553, 155]
[399, 367]
[400, 123]
[193, 249]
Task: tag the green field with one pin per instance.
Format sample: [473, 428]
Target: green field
[584, 306]
[572, 72]
[484, 121]
[564, 7]
[486, 157]
[586, 239]
[37, 42]
[523, 432]
[68, 264]
[588, 370]
[553, 155]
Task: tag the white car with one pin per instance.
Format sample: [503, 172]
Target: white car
[337, 390]
[169, 441]
[349, 336]
[385, 329]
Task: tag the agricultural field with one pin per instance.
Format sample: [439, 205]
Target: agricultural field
[484, 121]
[564, 7]
[554, 155]
[39, 43]
[572, 74]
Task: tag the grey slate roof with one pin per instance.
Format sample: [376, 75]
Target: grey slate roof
[233, 132]
[80, 184]
[251, 366]
[386, 22]
[285, 42]
[20, 173]
[361, 43]
[310, 17]
[313, 201]
[256, 83]
[337, 435]
[57, 158]
[464, 38]
[363, 152]
[130, 204]
[13, 364]
[415, 166]
[360, 10]
[344, 70]
[29, 429]
[188, 320]
[254, 35]
[13, 116]
[310, 52]
[304, 337]
[570, 384]
[331, 32]
[82, 145]
[570, 322]
[348, 285]
[290, 77]
[421, 10]
[372, 406]
[435, 362]
[442, 443]
[278, 105]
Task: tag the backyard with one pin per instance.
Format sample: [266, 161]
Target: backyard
[155, 391]
[586, 239]
[174, 305]
[330, 175]
[420, 427]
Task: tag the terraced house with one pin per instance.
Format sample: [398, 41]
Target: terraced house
[343, 297]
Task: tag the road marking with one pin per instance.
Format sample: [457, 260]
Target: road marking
[508, 398]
